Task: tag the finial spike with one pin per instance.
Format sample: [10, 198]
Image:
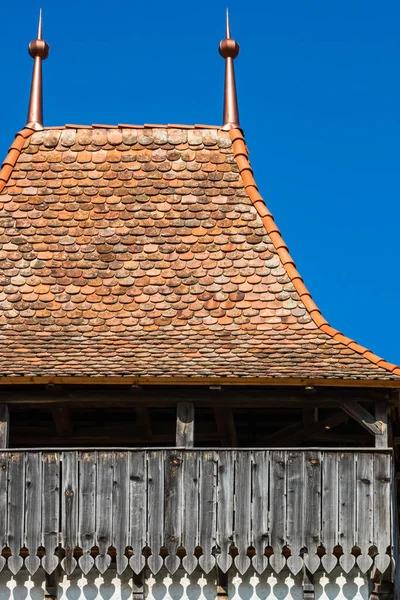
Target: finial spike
[39, 34]
[229, 50]
[39, 51]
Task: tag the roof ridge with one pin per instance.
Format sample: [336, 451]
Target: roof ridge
[132, 126]
[13, 154]
[240, 153]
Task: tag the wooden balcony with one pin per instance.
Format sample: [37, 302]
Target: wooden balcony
[196, 508]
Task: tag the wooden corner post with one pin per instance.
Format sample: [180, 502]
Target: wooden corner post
[4, 425]
[381, 415]
[185, 424]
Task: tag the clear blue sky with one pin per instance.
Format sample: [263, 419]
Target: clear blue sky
[319, 95]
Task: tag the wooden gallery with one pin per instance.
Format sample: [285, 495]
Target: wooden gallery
[178, 420]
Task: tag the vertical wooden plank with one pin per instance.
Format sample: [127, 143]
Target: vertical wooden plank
[185, 424]
[16, 509]
[121, 509]
[330, 508]
[104, 505]
[138, 508]
[295, 508]
[243, 468]
[225, 495]
[155, 520]
[87, 508]
[190, 509]
[365, 504]
[173, 507]
[382, 509]
[69, 503]
[33, 515]
[277, 484]
[4, 425]
[312, 508]
[260, 493]
[3, 501]
[207, 509]
[50, 509]
[347, 507]
[381, 415]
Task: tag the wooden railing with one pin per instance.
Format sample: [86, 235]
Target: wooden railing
[161, 506]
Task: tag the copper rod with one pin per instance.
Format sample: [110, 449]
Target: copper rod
[229, 49]
[39, 51]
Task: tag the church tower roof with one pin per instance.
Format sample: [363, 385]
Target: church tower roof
[147, 253]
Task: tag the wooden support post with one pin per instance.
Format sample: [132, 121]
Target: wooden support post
[308, 585]
[4, 425]
[226, 427]
[381, 415]
[143, 422]
[52, 584]
[138, 586]
[62, 421]
[222, 585]
[185, 424]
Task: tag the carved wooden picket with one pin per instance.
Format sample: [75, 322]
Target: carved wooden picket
[187, 508]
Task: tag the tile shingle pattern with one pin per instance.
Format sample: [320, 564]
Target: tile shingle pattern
[142, 251]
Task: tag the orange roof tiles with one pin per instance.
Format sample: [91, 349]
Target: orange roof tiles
[150, 252]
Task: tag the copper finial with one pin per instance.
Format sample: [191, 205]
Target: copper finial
[39, 51]
[229, 50]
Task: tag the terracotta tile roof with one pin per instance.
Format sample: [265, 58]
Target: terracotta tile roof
[148, 251]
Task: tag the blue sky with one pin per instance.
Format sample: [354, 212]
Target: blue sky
[319, 96]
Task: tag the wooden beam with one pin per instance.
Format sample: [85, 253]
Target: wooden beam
[226, 427]
[381, 415]
[199, 381]
[62, 421]
[185, 424]
[296, 432]
[4, 426]
[152, 397]
[363, 417]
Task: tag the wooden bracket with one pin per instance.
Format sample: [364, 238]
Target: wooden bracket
[375, 425]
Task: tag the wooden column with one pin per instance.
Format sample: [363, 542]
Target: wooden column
[185, 424]
[381, 415]
[4, 425]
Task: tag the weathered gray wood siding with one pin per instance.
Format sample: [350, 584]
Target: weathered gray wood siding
[121, 502]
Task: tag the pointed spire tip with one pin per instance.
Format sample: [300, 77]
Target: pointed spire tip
[228, 27]
[39, 35]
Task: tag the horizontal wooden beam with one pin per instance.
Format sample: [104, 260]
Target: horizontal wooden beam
[200, 381]
[122, 397]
